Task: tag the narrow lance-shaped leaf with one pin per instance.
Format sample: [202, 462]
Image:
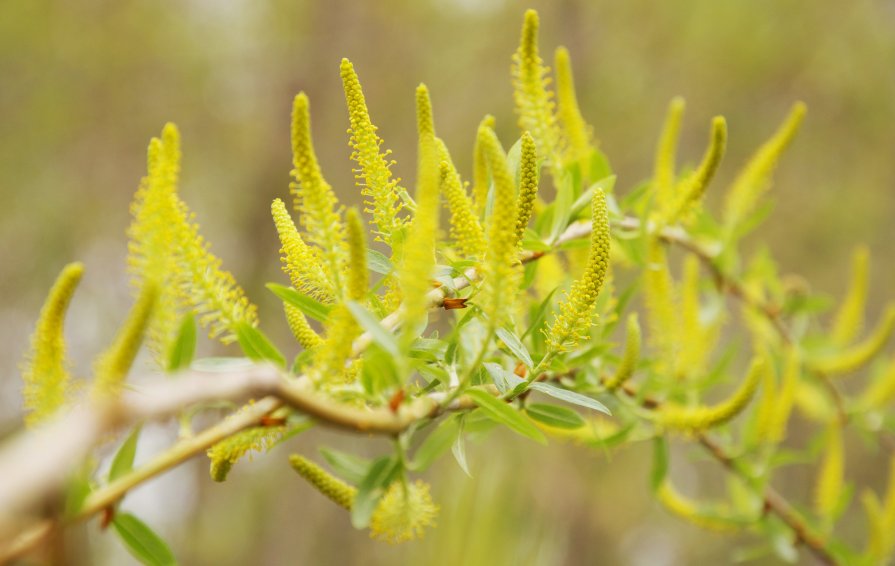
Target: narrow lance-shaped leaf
[374, 176]
[44, 370]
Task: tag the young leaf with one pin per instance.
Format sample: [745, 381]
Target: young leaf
[371, 489]
[516, 346]
[570, 397]
[377, 262]
[351, 467]
[141, 541]
[257, 346]
[438, 441]
[381, 336]
[554, 415]
[311, 307]
[503, 413]
[459, 447]
[184, 347]
[123, 462]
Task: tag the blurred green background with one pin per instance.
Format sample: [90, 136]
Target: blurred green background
[85, 84]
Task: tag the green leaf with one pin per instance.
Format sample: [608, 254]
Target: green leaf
[554, 415]
[311, 307]
[459, 446]
[379, 372]
[257, 346]
[501, 412]
[385, 339]
[570, 396]
[371, 488]
[141, 541]
[123, 462]
[378, 263]
[516, 346]
[350, 467]
[503, 379]
[78, 488]
[436, 444]
[184, 347]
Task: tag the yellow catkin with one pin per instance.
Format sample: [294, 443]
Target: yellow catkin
[701, 418]
[859, 355]
[151, 247]
[577, 132]
[403, 513]
[321, 215]
[204, 287]
[697, 336]
[358, 275]
[298, 324]
[112, 366]
[342, 328]
[300, 261]
[501, 266]
[225, 454]
[335, 489]
[687, 509]
[466, 230]
[374, 176]
[660, 302]
[415, 272]
[830, 479]
[850, 317]
[481, 182]
[755, 178]
[187, 270]
[534, 99]
[666, 155]
[775, 432]
[44, 372]
[528, 184]
[630, 357]
[888, 514]
[576, 312]
[688, 195]
[881, 392]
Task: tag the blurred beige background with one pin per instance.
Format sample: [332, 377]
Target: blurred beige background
[84, 84]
